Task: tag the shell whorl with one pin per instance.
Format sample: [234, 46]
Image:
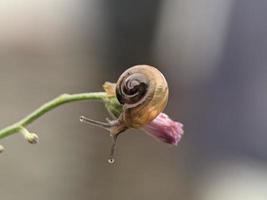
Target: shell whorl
[143, 92]
[132, 89]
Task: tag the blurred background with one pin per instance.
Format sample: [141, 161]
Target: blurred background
[213, 54]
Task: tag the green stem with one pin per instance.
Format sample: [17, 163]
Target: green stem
[62, 99]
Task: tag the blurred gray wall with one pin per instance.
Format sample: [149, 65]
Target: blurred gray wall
[213, 56]
[54, 47]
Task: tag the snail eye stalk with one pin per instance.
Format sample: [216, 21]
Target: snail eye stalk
[104, 125]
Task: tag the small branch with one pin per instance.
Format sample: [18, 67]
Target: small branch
[62, 99]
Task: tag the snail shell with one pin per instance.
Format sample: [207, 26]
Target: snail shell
[143, 92]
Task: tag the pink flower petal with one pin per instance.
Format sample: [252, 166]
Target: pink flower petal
[165, 129]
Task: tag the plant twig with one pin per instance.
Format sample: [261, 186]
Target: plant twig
[62, 99]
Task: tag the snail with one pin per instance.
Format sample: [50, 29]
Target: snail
[143, 93]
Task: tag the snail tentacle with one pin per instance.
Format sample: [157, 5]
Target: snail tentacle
[114, 127]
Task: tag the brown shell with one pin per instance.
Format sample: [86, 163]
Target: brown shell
[144, 92]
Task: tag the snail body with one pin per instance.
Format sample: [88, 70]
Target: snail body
[143, 92]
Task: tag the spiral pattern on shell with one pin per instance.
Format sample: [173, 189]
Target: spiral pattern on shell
[132, 88]
[143, 92]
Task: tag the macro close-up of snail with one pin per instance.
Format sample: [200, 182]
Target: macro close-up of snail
[126, 100]
[136, 101]
[142, 91]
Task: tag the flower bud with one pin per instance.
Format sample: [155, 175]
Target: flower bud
[32, 138]
[165, 129]
[113, 106]
[2, 148]
[111, 103]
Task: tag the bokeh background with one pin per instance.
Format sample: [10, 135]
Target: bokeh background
[213, 54]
